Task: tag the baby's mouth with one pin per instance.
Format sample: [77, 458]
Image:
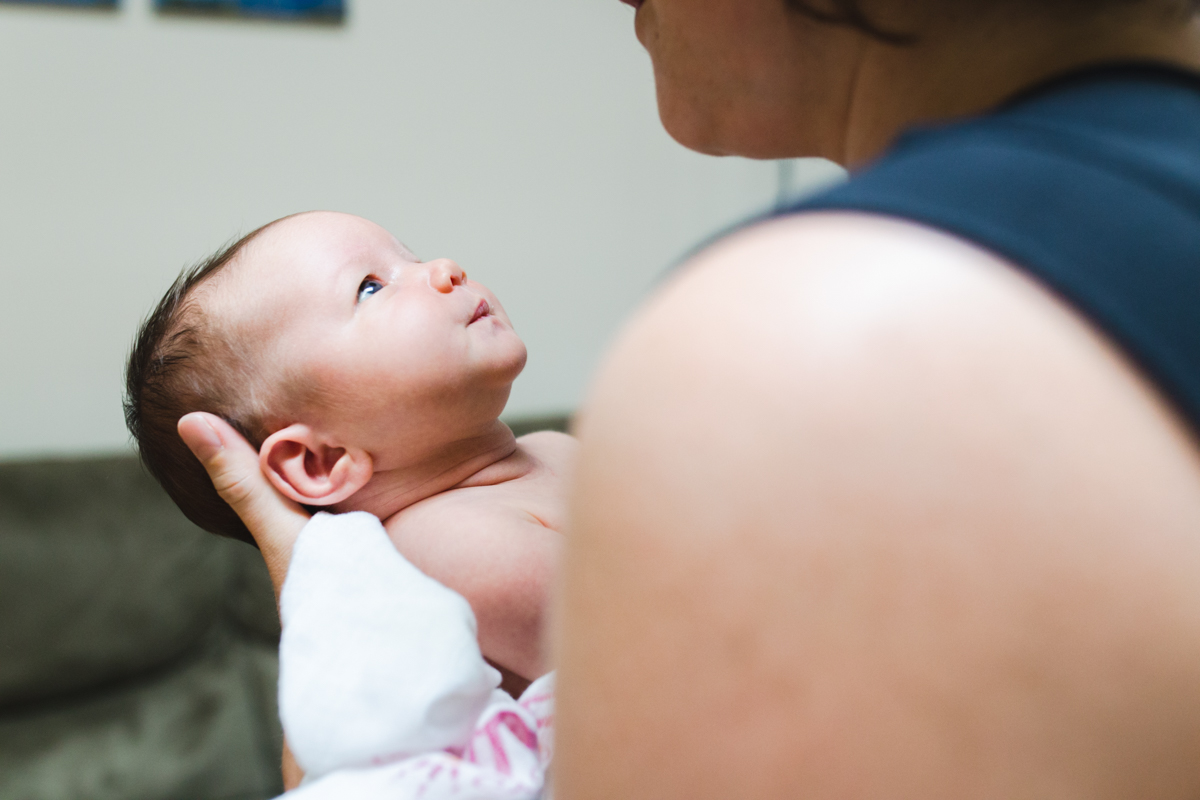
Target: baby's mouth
[482, 310]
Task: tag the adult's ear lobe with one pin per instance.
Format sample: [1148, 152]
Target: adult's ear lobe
[310, 471]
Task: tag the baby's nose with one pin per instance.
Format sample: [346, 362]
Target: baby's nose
[444, 275]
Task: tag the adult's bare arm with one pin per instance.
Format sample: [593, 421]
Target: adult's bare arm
[273, 520]
[862, 512]
[233, 465]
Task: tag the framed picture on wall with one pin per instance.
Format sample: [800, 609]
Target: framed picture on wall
[80, 3]
[315, 10]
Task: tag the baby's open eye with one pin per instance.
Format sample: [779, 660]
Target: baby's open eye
[368, 287]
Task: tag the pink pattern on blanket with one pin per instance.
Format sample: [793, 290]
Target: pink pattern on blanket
[488, 746]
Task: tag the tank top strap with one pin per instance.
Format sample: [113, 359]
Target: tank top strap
[1091, 184]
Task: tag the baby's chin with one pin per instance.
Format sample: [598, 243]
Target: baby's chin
[517, 366]
[509, 355]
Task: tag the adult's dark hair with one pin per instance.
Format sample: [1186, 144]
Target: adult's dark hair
[182, 361]
[851, 13]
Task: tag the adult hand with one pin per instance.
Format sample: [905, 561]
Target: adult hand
[273, 520]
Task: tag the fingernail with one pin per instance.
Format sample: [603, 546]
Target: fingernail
[205, 442]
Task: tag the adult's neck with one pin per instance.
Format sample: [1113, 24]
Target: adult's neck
[963, 67]
[461, 462]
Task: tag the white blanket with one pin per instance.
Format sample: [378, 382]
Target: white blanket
[383, 692]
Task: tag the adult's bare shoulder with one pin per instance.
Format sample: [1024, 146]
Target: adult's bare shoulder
[879, 515]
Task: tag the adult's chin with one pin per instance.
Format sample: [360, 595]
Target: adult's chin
[725, 129]
[686, 122]
[642, 23]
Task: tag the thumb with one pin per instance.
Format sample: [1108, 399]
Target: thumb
[232, 465]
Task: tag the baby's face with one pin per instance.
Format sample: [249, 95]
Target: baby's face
[404, 355]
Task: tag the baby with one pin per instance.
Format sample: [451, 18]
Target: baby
[369, 381]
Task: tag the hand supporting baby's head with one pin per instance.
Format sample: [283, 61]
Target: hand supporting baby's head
[333, 349]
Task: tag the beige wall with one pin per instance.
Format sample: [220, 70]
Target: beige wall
[519, 138]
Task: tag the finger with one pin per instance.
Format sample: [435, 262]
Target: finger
[232, 465]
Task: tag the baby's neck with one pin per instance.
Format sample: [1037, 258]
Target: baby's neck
[482, 459]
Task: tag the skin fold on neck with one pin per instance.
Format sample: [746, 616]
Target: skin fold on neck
[490, 457]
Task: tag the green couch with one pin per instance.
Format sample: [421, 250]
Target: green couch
[137, 653]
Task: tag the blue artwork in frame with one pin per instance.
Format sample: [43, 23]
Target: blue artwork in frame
[314, 10]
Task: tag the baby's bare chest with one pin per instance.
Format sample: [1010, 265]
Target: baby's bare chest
[533, 501]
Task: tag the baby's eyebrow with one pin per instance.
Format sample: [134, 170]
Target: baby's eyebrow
[343, 276]
[406, 250]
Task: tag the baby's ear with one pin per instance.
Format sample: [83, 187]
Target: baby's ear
[311, 472]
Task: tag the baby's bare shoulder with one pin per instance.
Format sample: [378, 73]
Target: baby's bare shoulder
[537, 496]
[554, 449]
[549, 440]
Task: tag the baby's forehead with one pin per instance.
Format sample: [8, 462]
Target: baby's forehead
[327, 233]
[297, 254]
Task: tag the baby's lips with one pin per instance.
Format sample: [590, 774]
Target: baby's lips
[481, 310]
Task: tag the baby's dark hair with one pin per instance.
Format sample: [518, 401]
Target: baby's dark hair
[183, 361]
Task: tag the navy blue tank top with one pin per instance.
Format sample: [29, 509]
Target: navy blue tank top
[1091, 183]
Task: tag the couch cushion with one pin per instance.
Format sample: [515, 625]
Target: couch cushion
[204, 729]
[250, 598]
[101, 577]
